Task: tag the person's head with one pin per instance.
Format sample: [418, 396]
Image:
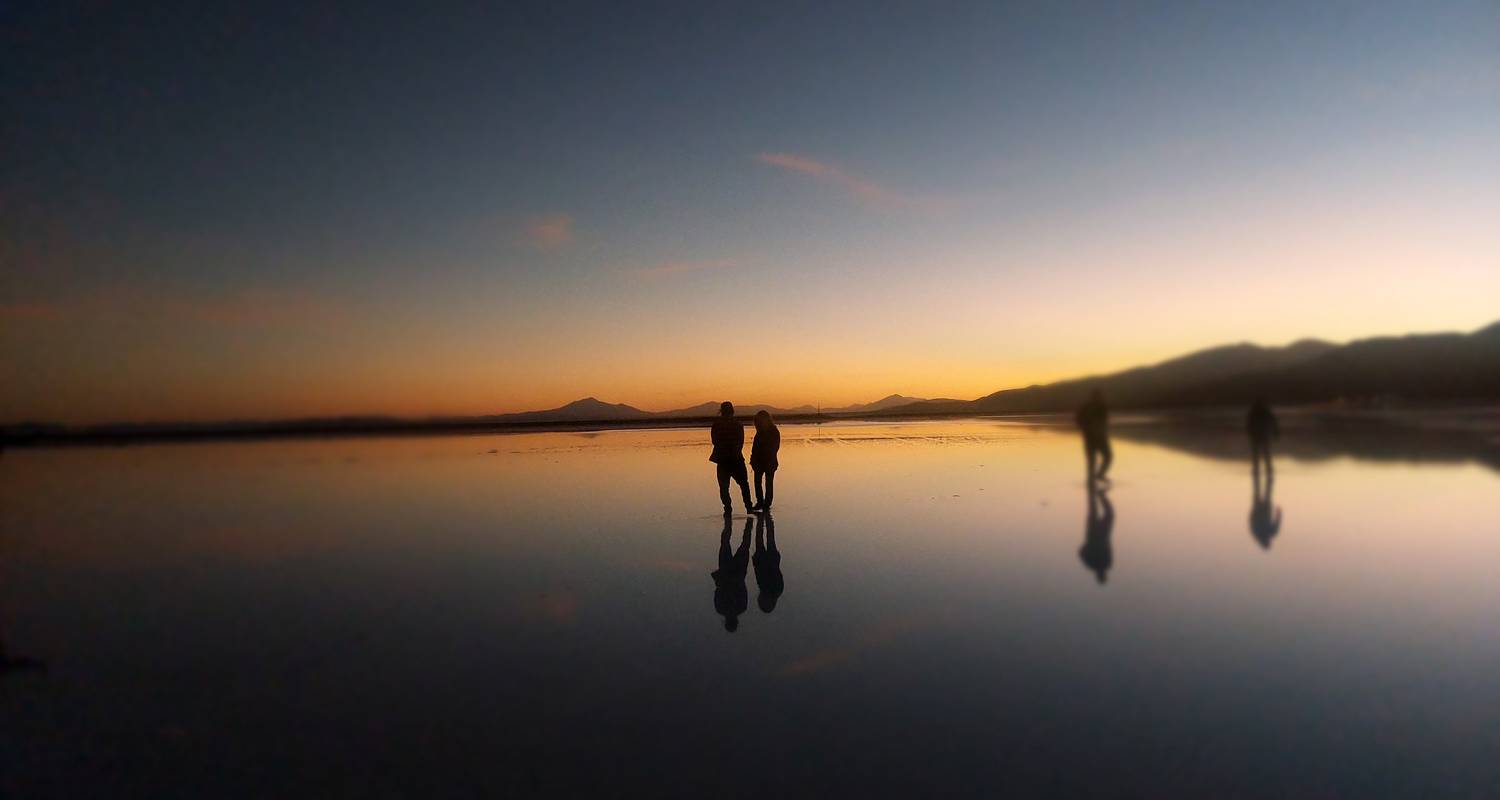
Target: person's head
[726, 409]
[762, 419]
[1096, 396]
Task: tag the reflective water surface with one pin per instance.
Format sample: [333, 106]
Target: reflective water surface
[933, 607]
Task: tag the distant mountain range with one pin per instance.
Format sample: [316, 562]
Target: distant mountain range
[1446, 368]
[591, 409]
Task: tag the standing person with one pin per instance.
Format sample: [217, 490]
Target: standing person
[728, 437]
[763, 458]
[1262, 426]
[1093, 420]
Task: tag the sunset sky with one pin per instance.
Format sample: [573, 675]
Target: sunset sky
[432, 209]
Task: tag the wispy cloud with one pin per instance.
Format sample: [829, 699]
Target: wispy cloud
[860, 188]
[252, 308]
[245, 308]
[550, 232]
[669, 268]
[21, 312]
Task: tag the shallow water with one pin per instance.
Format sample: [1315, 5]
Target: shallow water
[534, 614]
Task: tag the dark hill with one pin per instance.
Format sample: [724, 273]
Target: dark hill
[889, 401]
[1448, 367]
[588, 409]
[711, 409]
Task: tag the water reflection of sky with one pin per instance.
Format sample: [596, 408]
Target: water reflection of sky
[536, 612]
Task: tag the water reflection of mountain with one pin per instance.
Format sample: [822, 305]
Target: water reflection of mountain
[1447, 438]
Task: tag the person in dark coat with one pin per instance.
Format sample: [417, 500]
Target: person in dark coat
[767, 563]
[1097, 553]
[1093, 420]
[1262, 426]
[728, 437]
[731, 598]
[763, 458]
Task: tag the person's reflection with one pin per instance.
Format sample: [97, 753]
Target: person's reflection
[1097, 553]
[767, 561]
[731, 598]
[1265, 517]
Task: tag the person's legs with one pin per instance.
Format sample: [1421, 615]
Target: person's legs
[1108, 457]
[760, 495]
[770, 489]
[724, 487]
[743, 479]
[1090, 450]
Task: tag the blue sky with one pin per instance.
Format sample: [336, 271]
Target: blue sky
[467, 208]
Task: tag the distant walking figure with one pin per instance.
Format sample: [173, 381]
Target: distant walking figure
[1262, 426]
[763, 458]
[728, 437]
[1097, 553]
[1093, 420]
[767, 562]
[731, 598]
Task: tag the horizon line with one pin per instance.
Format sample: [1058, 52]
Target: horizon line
[479, 415]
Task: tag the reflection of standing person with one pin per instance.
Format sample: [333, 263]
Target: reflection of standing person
[1262, 426]
[767, 561]
[728, 437]
[731, 598]
[763, 458]
[1093, 420]
[1097, 553]
[1264, 522]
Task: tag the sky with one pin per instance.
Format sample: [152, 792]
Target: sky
[289, 210]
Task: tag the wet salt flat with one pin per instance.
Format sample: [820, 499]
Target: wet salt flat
[534, 614]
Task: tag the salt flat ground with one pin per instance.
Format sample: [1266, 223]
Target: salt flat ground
[534, 614]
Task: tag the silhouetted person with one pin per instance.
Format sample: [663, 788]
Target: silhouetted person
[763, 458]
[1262, 426]
[767, 561]
[1093, 420]
[1265, 517]
[1097, 553]
[728, 437]
[731, 598]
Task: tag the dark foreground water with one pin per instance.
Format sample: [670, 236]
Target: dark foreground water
[535, 615]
